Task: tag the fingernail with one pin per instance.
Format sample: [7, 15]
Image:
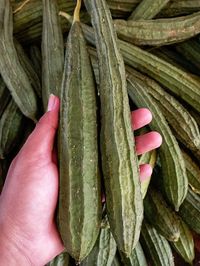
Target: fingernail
[51, 103]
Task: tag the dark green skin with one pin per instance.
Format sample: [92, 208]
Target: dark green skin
[60, 260]
[119, 159]
[147, 9]
[157, 212]
[190, 211]
[158, 32]
[177, 8]
[156, 246]
[79, 210]
[11, 70]
[4, 96]
[185, 244]
[52, 51]
[104, 251]
[174, 170]
[11, 125]
[193, 172]
[137, 257]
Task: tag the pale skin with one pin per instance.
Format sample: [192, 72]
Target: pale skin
[28, 233]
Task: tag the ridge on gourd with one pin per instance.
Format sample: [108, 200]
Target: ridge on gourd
[137, 257]
[190, 211]
[105, 248]
[119, 158]
[185, 244]
[79, 207]
[156, 246]
[166, 222]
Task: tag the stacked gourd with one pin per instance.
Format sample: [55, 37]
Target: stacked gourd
[143, 52]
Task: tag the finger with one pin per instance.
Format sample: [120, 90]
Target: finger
[140, 118]
[41, 140]
[145, 171]
[148, 142]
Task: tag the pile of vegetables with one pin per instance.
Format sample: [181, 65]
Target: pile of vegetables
[104, 59]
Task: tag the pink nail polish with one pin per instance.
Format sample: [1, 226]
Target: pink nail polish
[51, 103]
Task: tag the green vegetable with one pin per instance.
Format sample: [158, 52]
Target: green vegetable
[104, 251]
[137, 257]
[190, 211]
[166, 221]
[11, 70]
[173, 166]
[147, 9]
[119, 159]
[52, 51]
[79, 209]
[185, 244]
[156, 246]
[11, 124]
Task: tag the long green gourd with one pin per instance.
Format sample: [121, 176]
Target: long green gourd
[52, 51]
[174, 8]
[158, 32]
[60, 260]
[28, 68]
[156, 246]
[137, 257]
[147, 9]
[174, 171]
[79, 208]
[193, 172]
[104, 251]
[161, 216]
[11, 125]
[177, 81]
[181, 7]
[146, 158]
[190, 211]
[119, 159]
[11, 70]
[4, 96]
[183, 124]
[185, 244]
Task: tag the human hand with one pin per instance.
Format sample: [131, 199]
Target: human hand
[28, 201]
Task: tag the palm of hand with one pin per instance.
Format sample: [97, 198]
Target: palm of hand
[34, 176]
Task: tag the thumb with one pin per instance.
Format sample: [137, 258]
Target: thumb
[41, 141]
